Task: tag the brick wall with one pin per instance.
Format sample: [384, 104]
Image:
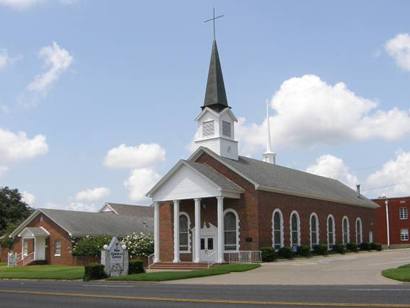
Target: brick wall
[56, 233]
[396, 224]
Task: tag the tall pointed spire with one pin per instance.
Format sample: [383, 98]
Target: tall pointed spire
[268, 156]
[215, 95]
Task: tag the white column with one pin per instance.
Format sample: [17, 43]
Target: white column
[197, 240]
[176, 231]
[156, 232]
[220, 214]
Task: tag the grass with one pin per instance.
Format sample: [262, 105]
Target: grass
[401, 273]
[42, 272]
[175, 275]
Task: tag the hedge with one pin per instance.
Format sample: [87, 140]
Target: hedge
[136, 267]
[94, 272]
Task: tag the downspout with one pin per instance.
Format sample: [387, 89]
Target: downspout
[386, 202]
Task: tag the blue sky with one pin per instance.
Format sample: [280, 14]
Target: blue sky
[79, 78]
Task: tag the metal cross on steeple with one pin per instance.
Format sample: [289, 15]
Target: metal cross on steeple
[213, 21]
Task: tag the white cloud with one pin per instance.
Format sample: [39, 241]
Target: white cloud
[28, 198]
[309, 112]
[140, 182]
[393, 178]
[20, 4]
[335, 168]
[139, 156]
[56, 61]
[3, 170]
[399, 49]
[15, 147]
[4, 59]
[92, 194]
[74, 206]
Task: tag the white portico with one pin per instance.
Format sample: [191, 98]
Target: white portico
[194, 181]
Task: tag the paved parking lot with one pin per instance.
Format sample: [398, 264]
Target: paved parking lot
[351, 269]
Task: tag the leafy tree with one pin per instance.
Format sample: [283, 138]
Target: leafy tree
[89, 245]
[12, 209]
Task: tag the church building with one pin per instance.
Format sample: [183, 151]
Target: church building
[217, 206]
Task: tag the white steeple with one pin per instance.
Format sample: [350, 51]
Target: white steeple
[268, 156]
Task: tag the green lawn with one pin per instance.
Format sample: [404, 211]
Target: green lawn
[163, 276]
[42, 272]
[401, 273]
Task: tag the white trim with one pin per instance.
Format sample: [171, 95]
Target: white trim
[317, 229]
[216, 114]
[282, 238]
[345, 231]
[109, 207]
[55, 246]
[327, 231]
[359, 240]
[290, 228]
[179, 164]
[230, 210]
[189, 232]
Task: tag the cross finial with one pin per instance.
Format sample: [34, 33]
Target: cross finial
[213, 21]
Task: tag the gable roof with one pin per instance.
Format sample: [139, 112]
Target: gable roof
[275, 178]
[78, 224]
[210, 174]
[129, 209]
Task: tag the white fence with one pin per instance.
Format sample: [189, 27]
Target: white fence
[243, 256]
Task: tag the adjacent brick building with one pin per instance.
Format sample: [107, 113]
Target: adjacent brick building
[393, 222]
[47, 235]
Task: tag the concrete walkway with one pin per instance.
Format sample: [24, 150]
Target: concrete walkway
[362, 268]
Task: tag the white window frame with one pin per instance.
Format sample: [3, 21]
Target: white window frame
[404, 235]
[57, 253]
[329, 247]
[345, 218]
[290, 228]
[237, 229]
[282, 239]
[189, 232]
[208, 131]
[403, 213]
[359, 239]
[317, 230]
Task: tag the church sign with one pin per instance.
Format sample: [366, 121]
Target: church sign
[114, 257]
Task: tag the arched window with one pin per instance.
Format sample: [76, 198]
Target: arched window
[345, 230]
[331, 233]
[314, 230]
[184, 235]
[231, 230]
[294, 229]
[277, 229]
[359, 231]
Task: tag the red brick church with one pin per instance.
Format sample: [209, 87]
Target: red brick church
[218, 205]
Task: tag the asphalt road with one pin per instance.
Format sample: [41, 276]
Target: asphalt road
[15, 293]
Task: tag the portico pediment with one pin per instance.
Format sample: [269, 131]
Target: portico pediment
[189, 180]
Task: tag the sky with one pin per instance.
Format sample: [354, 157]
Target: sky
[98, 98]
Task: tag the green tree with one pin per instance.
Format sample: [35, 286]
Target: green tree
[12, 209]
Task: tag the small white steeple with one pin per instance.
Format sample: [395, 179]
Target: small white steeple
[268, 156]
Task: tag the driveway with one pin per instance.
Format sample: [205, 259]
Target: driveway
[362, 268]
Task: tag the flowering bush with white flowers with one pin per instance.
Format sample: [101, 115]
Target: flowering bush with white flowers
[139, 244]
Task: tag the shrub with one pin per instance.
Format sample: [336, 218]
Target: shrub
[365, 246]
[352, 247]
[268, 254]
[94, 272]
[376, 246]
[89, 245]
[285, 252]
[304, 251]
[339, 248]
[320, 250]
[139, 244]
[136, 267]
